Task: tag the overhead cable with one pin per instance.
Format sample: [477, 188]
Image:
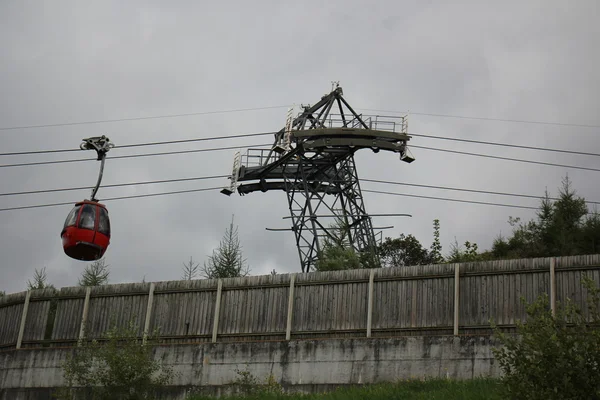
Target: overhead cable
[198, 178]
[287, 106]
[20, 153]
[6, 128]
[463, 190]
[507, 145]
[448, 199]
[141, 183]
[133, 155]
[520, 121]
[269, 144]
[505, 158]
[111, 199]
[217, 188]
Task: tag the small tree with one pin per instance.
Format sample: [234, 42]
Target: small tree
[334, 257]
[469, 254]
[590, 234]
[2, 293]
[403, 251]
[553, 356]
[40, 280]
[95, 274]
[118, 367]
[562, 227]
[436, 245]
[227, 261]
[336, 253]
[190, 270]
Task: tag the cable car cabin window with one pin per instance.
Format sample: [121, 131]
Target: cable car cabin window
[104, 222]
[87, 219]
[72, 217]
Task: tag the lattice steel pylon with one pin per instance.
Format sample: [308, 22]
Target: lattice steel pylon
[312, 161]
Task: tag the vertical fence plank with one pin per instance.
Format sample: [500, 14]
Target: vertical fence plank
[413, 304]
[456, 299]
[288, 329]
[86, 306]
[148, 311]
[217, 307]
[23, 318]
[553, 285]
[370, 305]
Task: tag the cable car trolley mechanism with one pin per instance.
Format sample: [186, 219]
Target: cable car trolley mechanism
[86, 231]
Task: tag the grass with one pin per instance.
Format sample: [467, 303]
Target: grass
[433, 389]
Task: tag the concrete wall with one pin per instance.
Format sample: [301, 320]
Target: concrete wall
[305, 365]
[312, 331]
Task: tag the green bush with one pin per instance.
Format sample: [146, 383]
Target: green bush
[249, 385]
[120, 366]
[553, 356]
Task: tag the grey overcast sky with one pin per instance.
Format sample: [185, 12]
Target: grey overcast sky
[70, 61]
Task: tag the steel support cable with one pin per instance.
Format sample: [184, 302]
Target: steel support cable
[485, 118]
[198, 178]
[6, 128]
[284, 106]
[269, 144]
[111, 199]
[272, 133]
[517, 146]
[506, 158]
[218, 188]
[225, 176]
[463, 190]
[241, 135]
[448, 199]
[134, 155]
[222, 176]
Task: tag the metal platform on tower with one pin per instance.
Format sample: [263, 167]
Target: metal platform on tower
[312, 161]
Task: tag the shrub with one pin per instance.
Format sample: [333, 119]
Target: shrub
[553, 356]
[120, 366]
[249, 385]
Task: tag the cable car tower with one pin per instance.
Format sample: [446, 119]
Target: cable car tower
[312, 161]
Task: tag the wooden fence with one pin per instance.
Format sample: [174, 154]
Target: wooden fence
[445, 299]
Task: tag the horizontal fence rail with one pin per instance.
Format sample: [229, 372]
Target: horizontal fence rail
[444, 299]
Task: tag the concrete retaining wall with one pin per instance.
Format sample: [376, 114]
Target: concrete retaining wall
[306, 365]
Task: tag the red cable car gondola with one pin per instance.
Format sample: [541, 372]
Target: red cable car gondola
[86, 231]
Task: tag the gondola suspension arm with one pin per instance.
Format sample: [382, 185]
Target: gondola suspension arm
[101, 144]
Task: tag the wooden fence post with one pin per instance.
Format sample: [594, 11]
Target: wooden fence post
[553, 285]
[148, 312]
[288, 329]
[217, 308]
[86, 305]
[23, 318]
[370, 304]
[456, 296]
